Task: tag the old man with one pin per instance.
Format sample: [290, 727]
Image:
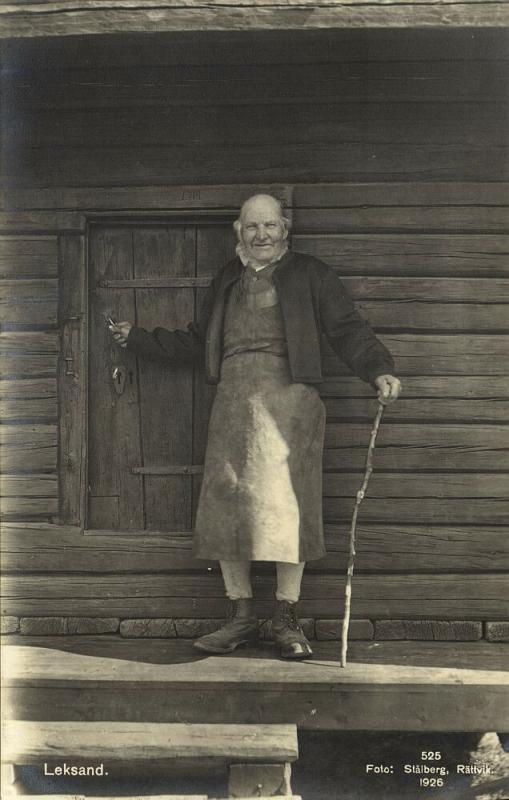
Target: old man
[259, 330]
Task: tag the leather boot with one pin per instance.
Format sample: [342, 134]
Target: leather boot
[241, 627]
[287, 632]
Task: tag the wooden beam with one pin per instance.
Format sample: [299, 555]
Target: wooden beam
[44, 222]
[101, 18]
[430, 219]
[307, 46]
[29, 742]
[28, 256]
[29, 547]
[406, 596]
[441, 354]
[33, 399]
[314, 695]
[185, 197]
[418, 254]
[220, 197]
[29, 301]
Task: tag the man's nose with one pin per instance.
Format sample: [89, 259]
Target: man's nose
[261, 233]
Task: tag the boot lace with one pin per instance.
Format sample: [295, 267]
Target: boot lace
[289, 617]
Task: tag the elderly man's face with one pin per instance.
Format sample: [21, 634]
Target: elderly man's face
[262, 230]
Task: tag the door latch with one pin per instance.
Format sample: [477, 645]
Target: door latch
[119, 375]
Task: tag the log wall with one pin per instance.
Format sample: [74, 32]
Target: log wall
[398, 162]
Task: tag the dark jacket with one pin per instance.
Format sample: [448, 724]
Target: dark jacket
[313, 301]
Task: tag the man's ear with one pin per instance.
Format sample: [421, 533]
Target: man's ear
[237, 227]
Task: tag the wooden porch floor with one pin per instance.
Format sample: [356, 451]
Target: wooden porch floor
[414, 686]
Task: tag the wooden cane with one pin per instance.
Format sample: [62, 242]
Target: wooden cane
[351, 553]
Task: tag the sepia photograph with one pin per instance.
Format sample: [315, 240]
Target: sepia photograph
[254, 399]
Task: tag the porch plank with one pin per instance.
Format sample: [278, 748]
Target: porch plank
[474, 655]
[313, 695]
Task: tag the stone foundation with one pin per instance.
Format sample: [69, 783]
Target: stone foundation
[320, 629]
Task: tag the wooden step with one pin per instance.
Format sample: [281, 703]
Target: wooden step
[258, 757]
[380, 689]
[28, 742]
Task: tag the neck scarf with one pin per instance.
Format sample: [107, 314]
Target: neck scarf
[240, 251]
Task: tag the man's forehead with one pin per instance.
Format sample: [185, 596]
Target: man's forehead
[258, 206]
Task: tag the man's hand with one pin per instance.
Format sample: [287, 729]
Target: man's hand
[120, 332]
[389, 388]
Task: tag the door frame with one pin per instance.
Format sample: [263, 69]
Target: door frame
[186, 204]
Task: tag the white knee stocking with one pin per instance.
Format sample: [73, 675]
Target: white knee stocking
[289, 577]
[237, 579]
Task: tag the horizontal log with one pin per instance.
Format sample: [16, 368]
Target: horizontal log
[443, 354]
[422, 315]
[343, 160]
[249, 84]
[79, 21]
[421, 255]
[32, 409]
[304, 195]
[17, 486]
[29, 398]
[24, 488]
[289, 46]
[22, 366]
[27, 547]
[27, 257]
[41, 221]
[439, 290]
[36, 6]
[16, 507]
[418, 447]
[424, 410]
[376, 596]
[450, 387]
[452, 398]
[29, 342]
[29, 301]
[338, 195]
[404, 485]
[281, 116]
[431, 511]
[28, 389]
[31, 447]
[402, 218]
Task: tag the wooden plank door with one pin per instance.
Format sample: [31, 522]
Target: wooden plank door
[147, 420]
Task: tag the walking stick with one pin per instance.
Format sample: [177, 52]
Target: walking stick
[353, 525]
